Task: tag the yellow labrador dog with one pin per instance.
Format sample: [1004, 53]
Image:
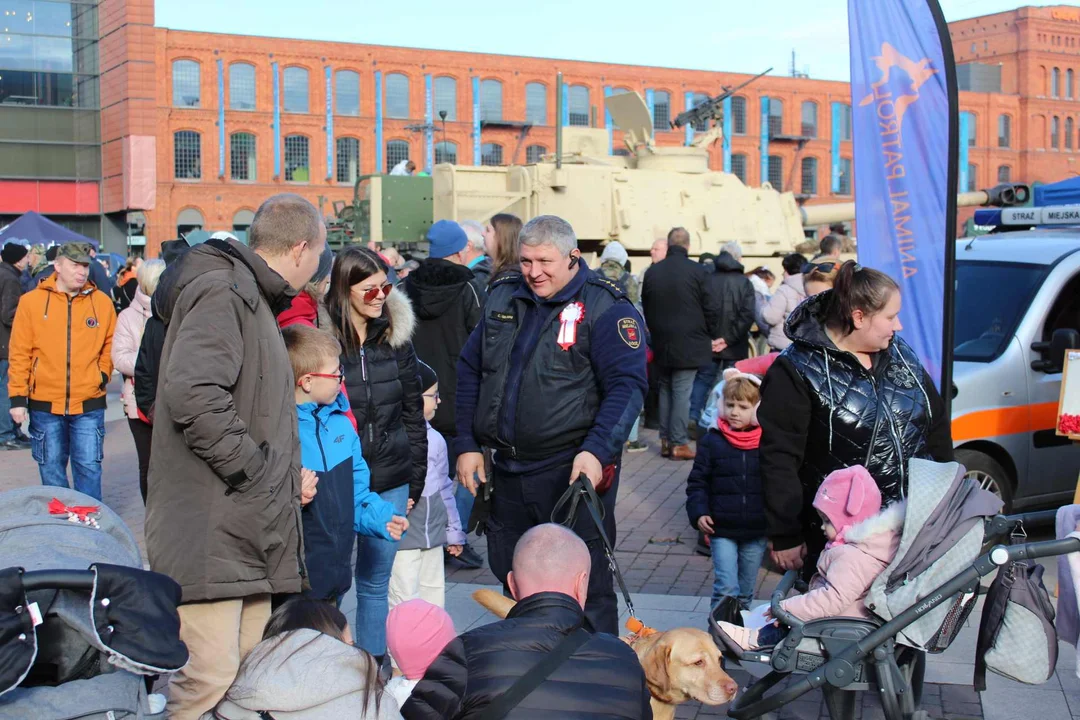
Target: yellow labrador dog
[680, 665]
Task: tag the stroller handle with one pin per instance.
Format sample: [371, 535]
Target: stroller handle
[786, 583]
[82, 580]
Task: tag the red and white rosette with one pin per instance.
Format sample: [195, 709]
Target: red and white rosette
[569, 319]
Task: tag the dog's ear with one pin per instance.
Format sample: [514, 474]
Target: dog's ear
[656, 663]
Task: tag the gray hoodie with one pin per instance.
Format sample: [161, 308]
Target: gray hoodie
[786, 298]
[305, 676]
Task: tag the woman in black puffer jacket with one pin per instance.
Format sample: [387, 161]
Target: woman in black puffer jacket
[375, 327]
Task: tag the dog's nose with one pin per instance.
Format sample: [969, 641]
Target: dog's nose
[731, 688]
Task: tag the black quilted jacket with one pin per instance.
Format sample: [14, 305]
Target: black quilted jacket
[602, 680]
[821, 410]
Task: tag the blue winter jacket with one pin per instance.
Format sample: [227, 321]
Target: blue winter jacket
[344, 503]
[725, 484]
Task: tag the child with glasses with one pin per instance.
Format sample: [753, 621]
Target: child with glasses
[434, 520]
[336, 495]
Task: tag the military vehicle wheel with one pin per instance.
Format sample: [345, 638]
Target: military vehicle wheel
[988, 472]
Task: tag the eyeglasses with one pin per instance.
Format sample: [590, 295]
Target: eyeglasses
[820, 267]
[373, 293]
[434, 396]
[329, 376]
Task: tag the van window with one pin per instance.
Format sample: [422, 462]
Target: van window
[991, 298]
[1065, 312]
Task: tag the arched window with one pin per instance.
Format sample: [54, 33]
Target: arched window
[241, 221]
[241, 86]
[776, 172]
[536, 103]
[738, 112]
[397, 95]
[188, 221]
[738, 166]
[1068, 133]
[445, 99]
[698, 99]
[396, 151]
[534, 153]
[1004, 131]
[973, 181]
[296, 90]
[297, 159]
[242, 157]
[776, 117]
[1069, 83]
[809, 119]
[1055, 133]
[347, 166]
[809, 175]
[185, 83]
[578, 106]
[845, 177]
[1004, 174]
[490, 101]
[446, 152]
[1055, 83]
[661, 116]
[491, 154]
[970, 128]
[347, 93]
[187, 155]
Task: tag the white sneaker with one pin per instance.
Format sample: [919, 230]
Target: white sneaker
[743, 637]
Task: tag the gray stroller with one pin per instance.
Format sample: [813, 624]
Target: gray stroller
[920, 603]
[83, 628]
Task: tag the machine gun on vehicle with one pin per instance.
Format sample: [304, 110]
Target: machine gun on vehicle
[713, 108]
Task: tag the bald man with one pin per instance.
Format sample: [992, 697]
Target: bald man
[550, 581]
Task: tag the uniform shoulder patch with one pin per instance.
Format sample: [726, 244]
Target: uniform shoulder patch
[630, 332]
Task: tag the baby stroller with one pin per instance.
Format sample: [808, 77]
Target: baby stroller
[82, 625]
[921, 601]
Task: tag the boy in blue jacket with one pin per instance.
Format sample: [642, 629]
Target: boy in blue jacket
[342, 503]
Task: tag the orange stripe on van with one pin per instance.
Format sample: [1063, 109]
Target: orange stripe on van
[1004, 421]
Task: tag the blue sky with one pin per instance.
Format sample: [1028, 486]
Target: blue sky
[731, 35]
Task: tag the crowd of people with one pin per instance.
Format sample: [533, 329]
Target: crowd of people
[307, 422]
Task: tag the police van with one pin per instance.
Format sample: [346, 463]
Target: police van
[1017, 312]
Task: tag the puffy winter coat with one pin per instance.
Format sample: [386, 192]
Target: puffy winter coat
[304, 675]
[125, 348]
[304, 311]
[736, 303]
[11, 289]
[680, 311]
[384, 390]
[434, 520]
[783, 302]
[601, 680]
[725, 484]
[846, 571]
[344, 504]
[447, 308]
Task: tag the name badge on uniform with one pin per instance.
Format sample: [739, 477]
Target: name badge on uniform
[569, 319]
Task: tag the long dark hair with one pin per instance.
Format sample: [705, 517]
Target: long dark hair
[857, 288]
[354, 264]
[507, 228]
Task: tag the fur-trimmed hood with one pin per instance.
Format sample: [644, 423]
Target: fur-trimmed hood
[878, 534]
[398, 321]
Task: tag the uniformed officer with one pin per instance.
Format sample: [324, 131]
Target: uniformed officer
[552, 380]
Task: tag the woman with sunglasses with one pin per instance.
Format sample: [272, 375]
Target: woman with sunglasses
[847, 391]
[375, 326]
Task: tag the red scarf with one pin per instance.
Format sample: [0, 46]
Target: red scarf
[740, 439]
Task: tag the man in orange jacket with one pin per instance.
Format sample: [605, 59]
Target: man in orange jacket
[61, 359]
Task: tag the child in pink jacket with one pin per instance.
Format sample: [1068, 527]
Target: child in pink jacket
[863, 539]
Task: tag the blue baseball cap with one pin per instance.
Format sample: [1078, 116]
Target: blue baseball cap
[446, 238]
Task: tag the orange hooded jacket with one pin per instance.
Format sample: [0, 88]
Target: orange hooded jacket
[61, 350]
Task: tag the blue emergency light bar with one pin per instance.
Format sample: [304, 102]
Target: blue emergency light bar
[1028, 216]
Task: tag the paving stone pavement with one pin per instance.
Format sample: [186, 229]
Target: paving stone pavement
[670, 583]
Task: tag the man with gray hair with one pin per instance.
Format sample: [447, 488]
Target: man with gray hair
[552, 379]
[475, 255]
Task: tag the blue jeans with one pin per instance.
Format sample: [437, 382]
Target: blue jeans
[735, 566]
[56, 438]
[464, 501]
[7, 425]
[374, 563]
[633, 436]
[707, 377]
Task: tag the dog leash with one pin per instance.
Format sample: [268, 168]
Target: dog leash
[582, 492]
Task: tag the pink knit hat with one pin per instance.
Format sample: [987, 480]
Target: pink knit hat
[416, 632]
[848, 496]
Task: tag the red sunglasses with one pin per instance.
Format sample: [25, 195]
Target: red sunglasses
[373, 293]
[340, 374]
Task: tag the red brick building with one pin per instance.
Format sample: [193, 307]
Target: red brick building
[196, 129]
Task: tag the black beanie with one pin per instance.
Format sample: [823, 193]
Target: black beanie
[13, 253]
[428, 378]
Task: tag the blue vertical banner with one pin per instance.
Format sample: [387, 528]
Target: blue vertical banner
[277, 120]
[689, 100]
[329, 124]
[764, 140]
[429, 125]
[378, 123]
[836, 131]
[906, 131]
[726, 143]
[476, 120]
[609, 124]
[221, 117]
[962, 162]
[650, 101]
[565, 104]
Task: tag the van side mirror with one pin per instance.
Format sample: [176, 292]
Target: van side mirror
[1053, 352]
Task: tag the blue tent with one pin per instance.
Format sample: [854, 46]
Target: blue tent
[1066, 192]
[34, 229]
